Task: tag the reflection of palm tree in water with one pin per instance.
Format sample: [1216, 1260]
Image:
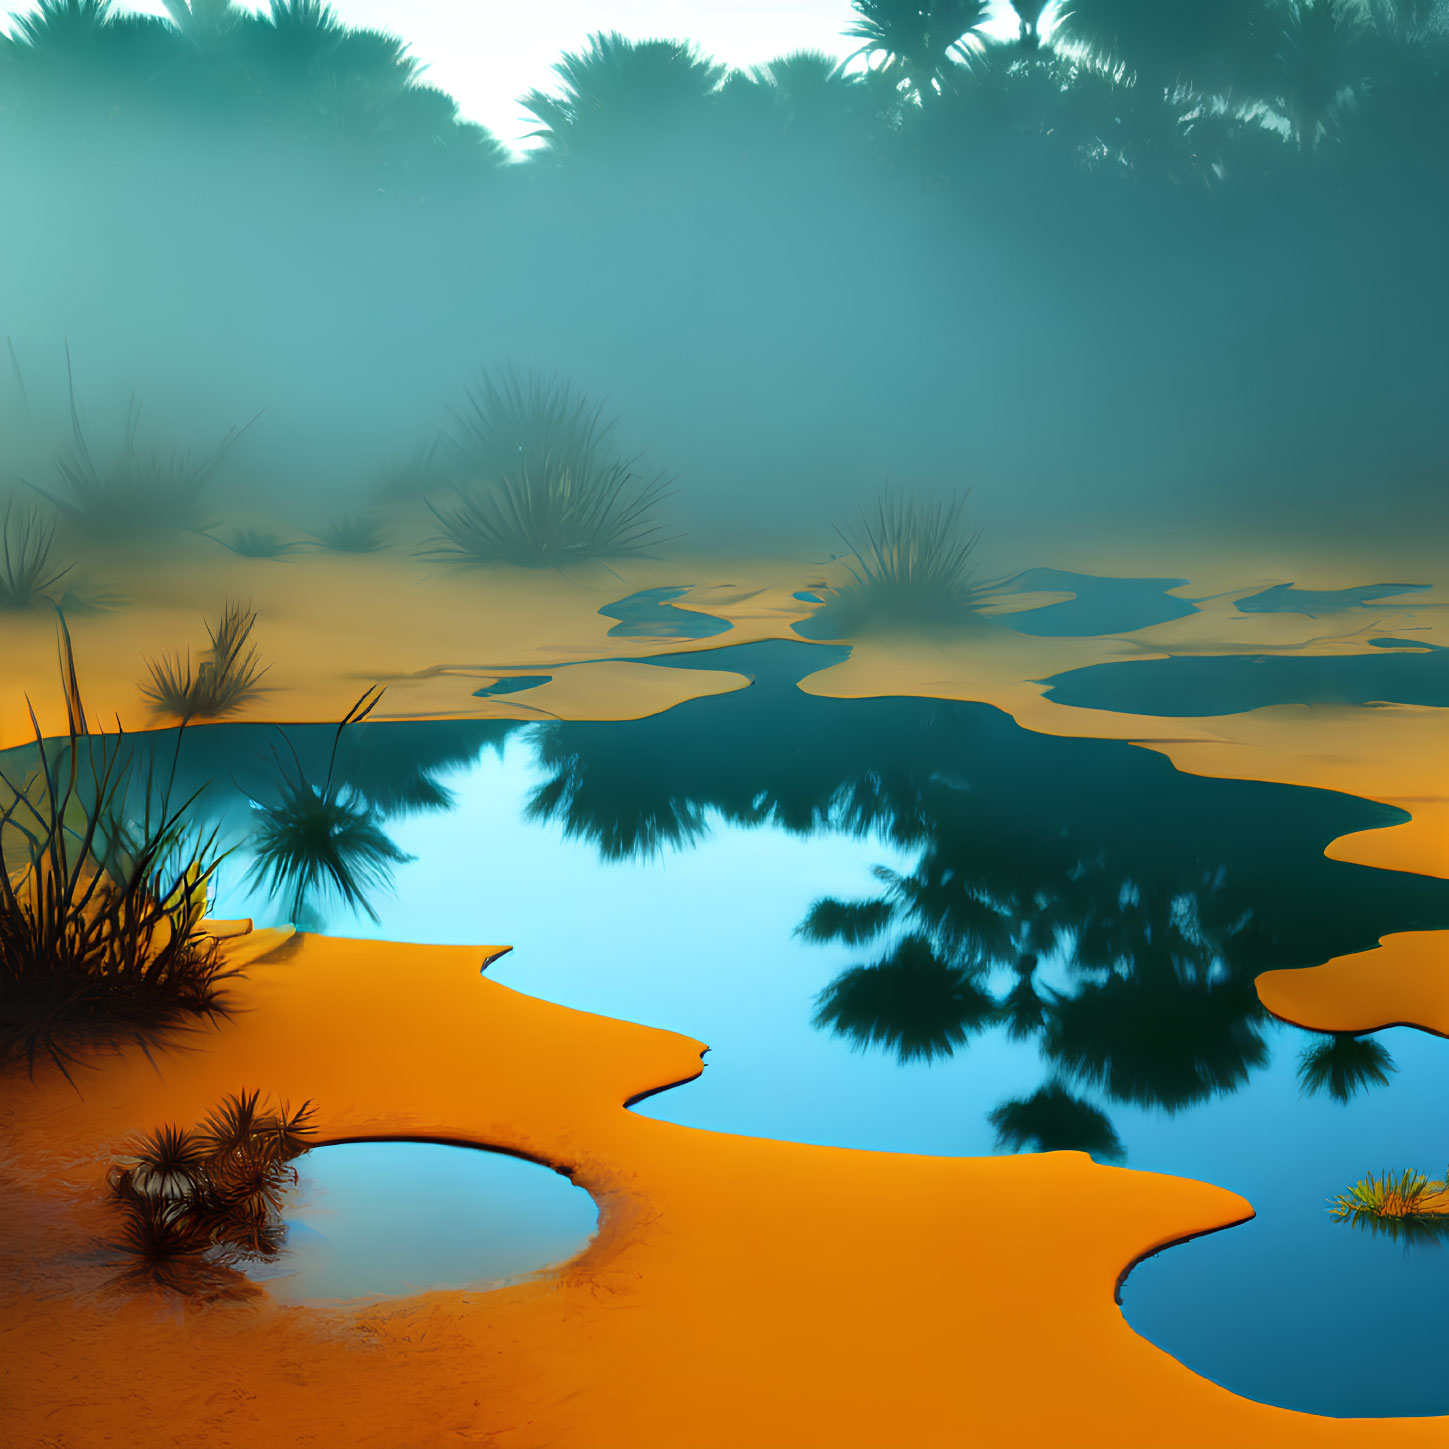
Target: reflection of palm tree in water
[1162, 894]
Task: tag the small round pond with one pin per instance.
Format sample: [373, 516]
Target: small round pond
[375, 1219]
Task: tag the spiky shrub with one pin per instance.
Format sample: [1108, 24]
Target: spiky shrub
[322, 839]
[26, 573]
[226, 679]
[1408, 1205]
[138, 491]
[543, 484]
[546, 514]
[101, 899]
[912, 565]
[195, 1203]
[522, 416]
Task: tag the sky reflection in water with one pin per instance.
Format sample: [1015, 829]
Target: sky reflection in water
[1124, 907]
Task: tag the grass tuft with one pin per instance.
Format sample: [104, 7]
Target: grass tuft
[545, 485]
[224, 680]
[25, 545]
[913, 565]
[102, 897]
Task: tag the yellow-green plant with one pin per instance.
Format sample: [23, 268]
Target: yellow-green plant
[1408, 1205]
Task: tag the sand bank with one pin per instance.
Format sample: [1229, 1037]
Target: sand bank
[740, 1291]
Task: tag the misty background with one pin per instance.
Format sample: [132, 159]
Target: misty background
[1161, 268]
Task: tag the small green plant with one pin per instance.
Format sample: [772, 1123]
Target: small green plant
[102, 897]
[325, 838]
[1408, 1205]
[196, 1203]
[351, 534]
[224, 680]
[913, 565]
[25, 546]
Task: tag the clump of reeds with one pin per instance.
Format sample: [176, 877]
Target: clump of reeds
[226, 678]
[544, 483]
[325, 838]
[913, 565]
[26, 540]
[137, 491]
[101, 899]
[1408, 1205]
[196, 1203]
[351, 533]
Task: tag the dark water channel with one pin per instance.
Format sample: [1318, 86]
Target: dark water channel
[911, 925]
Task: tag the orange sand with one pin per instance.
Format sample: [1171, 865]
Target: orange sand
[1405, 981]
[740, 1291]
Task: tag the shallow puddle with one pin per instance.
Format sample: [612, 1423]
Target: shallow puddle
[374, 1219]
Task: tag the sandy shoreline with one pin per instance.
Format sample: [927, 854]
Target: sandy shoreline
[740, 1290]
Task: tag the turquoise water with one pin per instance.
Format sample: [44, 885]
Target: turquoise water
[1084, 919]
[385, 1218]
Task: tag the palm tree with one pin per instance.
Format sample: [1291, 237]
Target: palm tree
[620, 90]
[1028, 14]
[923, 41]
[1167, 44]
[1318, 64]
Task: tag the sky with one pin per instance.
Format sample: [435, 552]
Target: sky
[487, 53]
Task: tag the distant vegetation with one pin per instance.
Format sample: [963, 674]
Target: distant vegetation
[543, 483]
[351, 533]
[910, 564]
[259, 543]
[226, 678]
[194, 1204]
[135, 492]
[102, 895]
[1160, 240]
